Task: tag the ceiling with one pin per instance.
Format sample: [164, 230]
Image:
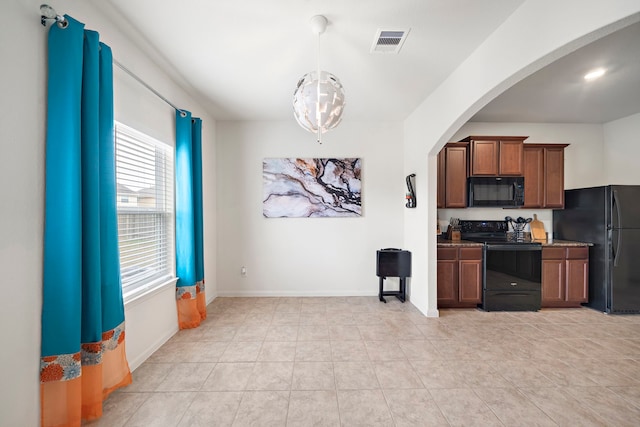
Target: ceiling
[243, 58]
[559, 93]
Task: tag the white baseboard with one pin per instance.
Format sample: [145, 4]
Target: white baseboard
[135, 363]
[236, 293]
[210, 298]
[433, 313]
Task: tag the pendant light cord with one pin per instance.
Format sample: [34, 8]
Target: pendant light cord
[318, 121]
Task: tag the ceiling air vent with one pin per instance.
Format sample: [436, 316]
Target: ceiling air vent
[389, 41]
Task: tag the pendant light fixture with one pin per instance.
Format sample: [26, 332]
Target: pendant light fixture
[318, 101]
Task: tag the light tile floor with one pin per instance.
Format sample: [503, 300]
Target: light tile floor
[354, 361]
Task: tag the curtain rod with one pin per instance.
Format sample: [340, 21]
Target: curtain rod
[145, 84]
[47, 13]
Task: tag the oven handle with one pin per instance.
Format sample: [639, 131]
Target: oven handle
[526, 294]
[514, 247]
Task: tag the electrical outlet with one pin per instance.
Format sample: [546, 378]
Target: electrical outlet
[243, 271]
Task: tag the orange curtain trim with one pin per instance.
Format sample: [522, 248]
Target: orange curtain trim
[116, 373]
[91, 392]
[189, 315]
[60, 403]
[201, 303]
[67, 403]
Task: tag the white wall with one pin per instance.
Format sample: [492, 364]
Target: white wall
[622, 151]
[22, 129]
[21, 217]
[305, 256]
[516, 49]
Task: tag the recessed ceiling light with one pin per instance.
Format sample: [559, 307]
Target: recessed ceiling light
[592, 75]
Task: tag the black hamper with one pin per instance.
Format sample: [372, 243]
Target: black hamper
[391, 262]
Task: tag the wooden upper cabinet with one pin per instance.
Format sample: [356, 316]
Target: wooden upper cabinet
[452, 176]
[554, 177]
[496, 155]
[533, 177]
[441, 178]
[456, 177]
[544, 175]
[484, 157]
[511, 158]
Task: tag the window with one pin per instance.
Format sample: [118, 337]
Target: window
[144, 178]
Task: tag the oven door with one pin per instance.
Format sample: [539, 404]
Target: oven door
[512, 277]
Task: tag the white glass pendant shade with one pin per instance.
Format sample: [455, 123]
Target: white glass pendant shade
[318, 105]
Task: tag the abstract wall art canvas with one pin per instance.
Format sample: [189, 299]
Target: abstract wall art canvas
[298, 188]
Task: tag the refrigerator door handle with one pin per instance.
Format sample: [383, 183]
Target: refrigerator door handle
[616, 206]
[615, 233]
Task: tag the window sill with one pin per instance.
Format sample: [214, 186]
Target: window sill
[143, 293]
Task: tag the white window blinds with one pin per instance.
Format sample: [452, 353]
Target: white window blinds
[144, 177]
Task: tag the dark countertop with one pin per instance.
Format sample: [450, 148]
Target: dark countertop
[444, 243]
[561, 243]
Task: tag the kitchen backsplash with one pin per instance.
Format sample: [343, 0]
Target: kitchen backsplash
[478, 214]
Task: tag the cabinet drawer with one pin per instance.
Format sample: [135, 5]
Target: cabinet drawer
[578, 253]
[471, 253]
[448, 253]
[553, 253]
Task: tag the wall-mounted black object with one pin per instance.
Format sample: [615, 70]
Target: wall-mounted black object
[411, 194]
[392, 262]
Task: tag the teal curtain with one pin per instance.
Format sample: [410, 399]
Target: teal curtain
[82, 307]
[198, 227]
[189, 221]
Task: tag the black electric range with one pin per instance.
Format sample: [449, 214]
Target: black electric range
[492, 232]
[511, 266]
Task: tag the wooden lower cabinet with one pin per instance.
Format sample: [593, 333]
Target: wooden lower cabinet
[459, 276]
[565, 276]
[447, 282]
[552, 280]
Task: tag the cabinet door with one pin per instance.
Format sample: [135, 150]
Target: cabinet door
[553, 280]
[470, 281]
[484, 158]
[577, 281]
[456, 177]
[533, 177]
[447, 282]
[554, 177]
[441, 178]
[511, 158]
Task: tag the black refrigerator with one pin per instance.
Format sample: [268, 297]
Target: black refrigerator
[608, 217]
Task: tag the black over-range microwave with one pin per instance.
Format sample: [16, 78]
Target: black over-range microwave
[492, 192]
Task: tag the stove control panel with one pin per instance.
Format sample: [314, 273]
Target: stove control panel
[484, 226]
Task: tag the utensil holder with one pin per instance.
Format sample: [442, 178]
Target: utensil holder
[453, 234]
